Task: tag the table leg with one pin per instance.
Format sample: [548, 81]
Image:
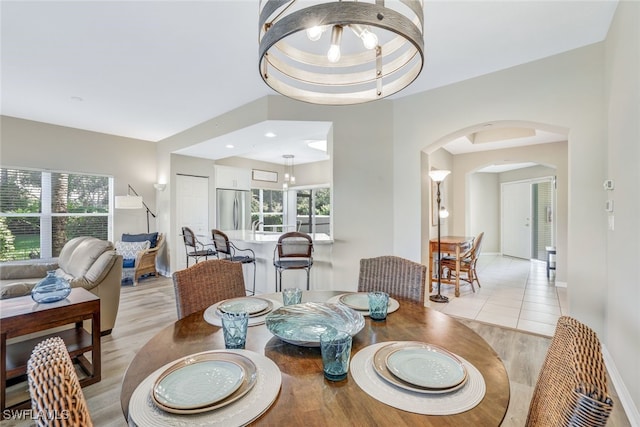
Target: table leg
[457, 270]
[3, 374]
[430, 267]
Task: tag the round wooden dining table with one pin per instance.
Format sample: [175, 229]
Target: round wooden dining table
[306, 397]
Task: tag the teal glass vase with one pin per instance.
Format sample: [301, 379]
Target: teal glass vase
[51, 289]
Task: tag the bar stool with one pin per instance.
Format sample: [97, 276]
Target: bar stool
[229, 251]
[194, 248]
[292, 252]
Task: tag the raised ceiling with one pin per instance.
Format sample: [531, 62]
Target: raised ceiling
[151, 69]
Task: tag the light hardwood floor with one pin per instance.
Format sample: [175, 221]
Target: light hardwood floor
[150, 306]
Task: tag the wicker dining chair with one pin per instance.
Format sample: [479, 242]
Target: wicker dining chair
[207, 283]
[468, 262]
[572, 385]
[396, 276]
[56, 395]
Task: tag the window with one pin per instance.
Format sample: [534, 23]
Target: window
[313, 210]
[307, 210]
[40, 211]
[267, 207]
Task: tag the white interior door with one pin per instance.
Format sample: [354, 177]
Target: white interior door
[192, 210]
[516, 219]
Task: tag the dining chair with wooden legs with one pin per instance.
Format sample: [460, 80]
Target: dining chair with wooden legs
[399, 277]
[468, 263]
[572, 386]
[56, 395]
[207, 283]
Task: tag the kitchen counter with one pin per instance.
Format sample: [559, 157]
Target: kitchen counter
[263, 245]
[270, 237]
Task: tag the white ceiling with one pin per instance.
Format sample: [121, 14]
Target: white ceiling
[151, 69]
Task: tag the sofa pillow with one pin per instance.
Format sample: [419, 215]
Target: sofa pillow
[129, 250]
[101, 268]
[151, 237]
[18, 289]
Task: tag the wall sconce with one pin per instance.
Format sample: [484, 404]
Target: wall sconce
[160, 187]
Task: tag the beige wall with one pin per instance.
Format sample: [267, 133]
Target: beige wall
[563, 92]
[306, 174]
[483, 211]
[360, 171]
[621, 289]
[553, 155]
[378, 166]
[38, 145]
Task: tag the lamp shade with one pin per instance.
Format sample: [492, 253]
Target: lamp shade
[128, 202]
[438, 175]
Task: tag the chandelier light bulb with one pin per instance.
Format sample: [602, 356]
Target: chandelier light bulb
[314, 33]
[369, 39]
[333, 55]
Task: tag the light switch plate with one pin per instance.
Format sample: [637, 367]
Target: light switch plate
[608, 206]
[608, 184]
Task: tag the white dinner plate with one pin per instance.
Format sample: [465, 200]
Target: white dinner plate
[203, 382]
[359, 301]
[198, 384]
[252, 305]
[420, 367]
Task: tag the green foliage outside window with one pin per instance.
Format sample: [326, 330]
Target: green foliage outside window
[79, 207]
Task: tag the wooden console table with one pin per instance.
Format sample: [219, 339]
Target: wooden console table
[21, 316]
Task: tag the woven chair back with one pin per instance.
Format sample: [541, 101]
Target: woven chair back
[189, 237]
[397, 276]
[572, 385]
[56, 395]
[295, 245]
[207, 283]
[221, 242]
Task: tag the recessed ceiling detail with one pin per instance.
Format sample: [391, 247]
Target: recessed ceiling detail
[500, 134]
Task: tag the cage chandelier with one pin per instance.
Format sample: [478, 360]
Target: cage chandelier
[339, 52]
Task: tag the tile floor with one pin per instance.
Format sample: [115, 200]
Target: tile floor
[515, 293]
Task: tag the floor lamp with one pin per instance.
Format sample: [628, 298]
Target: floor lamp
[133, 202]
[438, 176]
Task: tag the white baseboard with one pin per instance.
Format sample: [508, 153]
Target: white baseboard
[561, 284]
[626, 401]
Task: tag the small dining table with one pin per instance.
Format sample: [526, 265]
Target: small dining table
[306, 397]
[451, 245]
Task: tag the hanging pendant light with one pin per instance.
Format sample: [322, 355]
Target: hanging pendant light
[289, 177]
[337, 52]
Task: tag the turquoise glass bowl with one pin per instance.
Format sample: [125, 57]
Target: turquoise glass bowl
[302, 324]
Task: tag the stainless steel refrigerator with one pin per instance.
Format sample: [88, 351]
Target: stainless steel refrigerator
[233, 209]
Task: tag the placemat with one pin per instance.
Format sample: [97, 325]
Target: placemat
[212, 314]
[143, 412]
[394, 305]
[458, 401]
